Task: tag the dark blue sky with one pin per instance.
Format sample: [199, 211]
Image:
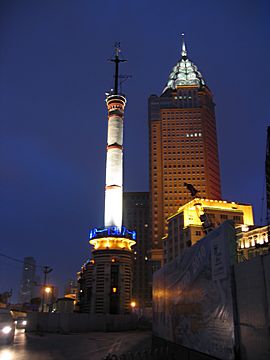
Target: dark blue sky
[53, 78]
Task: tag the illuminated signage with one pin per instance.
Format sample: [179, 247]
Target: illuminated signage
[112, 231]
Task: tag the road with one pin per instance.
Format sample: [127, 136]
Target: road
[89, 346]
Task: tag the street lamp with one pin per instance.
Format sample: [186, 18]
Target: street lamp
[133, 304]
[46, 271]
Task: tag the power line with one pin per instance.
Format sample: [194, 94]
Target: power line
[19, 261]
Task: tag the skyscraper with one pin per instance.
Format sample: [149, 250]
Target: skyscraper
[112, 261]
[136, 216]
[28, 280]
[183, 146]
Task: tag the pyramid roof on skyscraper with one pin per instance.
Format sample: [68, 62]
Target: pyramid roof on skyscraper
[184, 73]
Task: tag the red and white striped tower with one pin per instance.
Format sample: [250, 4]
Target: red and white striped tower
[114, 164]
[112, 270]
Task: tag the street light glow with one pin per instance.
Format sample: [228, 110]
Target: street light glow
[48, 290]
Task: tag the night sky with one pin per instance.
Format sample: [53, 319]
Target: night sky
[53, 78]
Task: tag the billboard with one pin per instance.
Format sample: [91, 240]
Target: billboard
[192, 298]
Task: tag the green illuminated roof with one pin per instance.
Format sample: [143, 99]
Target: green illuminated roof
[184, 73]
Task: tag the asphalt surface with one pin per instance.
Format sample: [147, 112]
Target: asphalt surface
[88, 346]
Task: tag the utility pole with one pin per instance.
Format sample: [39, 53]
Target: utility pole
[46, 270]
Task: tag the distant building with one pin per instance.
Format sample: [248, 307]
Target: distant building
[185, 226]
[4, 298]
[71, 289]
[183, 146]
[28, 283]
[63, 305]
[252, 241]
[136, 213]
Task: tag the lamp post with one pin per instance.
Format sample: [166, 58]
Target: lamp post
[46, 270]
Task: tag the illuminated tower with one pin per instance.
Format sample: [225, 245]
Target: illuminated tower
[112, 262]
[183, 146]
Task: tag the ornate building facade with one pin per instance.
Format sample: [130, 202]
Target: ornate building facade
[187, 225]
[252, 241]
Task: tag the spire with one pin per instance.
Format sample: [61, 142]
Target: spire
[184, 50]
[185, 72]
[116, 60]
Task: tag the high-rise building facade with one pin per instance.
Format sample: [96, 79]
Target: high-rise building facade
[182, 146]
[28, 280]
[136, 211]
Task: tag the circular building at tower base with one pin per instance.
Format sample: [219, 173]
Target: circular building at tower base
[112, 270]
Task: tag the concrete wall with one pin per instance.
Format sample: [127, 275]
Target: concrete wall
[76, 322]
[253, 305]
